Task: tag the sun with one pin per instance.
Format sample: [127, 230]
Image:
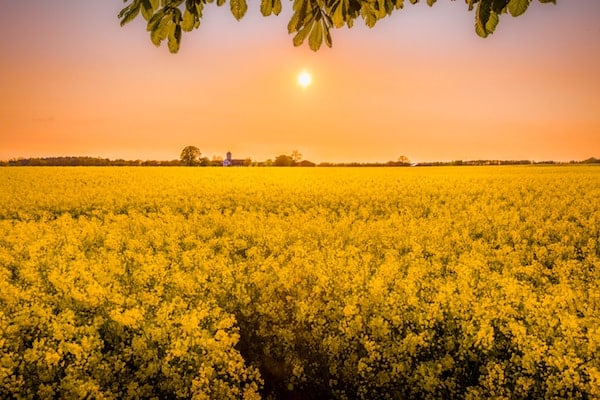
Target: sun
[304, 79]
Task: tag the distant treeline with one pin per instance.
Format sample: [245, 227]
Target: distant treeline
[590, 160]
[84, 161]
[101, 162]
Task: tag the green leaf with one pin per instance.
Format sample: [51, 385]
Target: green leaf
[238, 8]
[176, 15]
[159, 26]
[381, 8]
[301, 17]
[190, 21]
[316, 37]
[155, 21]
[337, 17]
[368, 15]
[174, 38]
[266, 7]
[130, 12]
[302, 34]
[328, 40]
[482, 15]
[147, 9]
[294, 21]
[198, 10]
[307, 13]
[161, 30]
[490, 27]
[190, 5]
[354, 7]
[498, 6]
[480, 31]
[157, 36]
[517, 7]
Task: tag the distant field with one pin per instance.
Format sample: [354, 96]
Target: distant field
[300, 283]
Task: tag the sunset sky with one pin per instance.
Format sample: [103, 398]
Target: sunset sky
[420, 84]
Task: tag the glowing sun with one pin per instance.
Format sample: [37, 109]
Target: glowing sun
[304, 79]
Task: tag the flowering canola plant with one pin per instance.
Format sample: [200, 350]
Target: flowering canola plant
[389, 283]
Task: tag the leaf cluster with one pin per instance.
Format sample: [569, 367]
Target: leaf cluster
[311, 19]
[487, 14]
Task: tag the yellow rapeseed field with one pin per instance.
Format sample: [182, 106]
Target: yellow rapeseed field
[300, 283]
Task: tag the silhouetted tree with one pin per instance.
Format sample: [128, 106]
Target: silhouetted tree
[204, 162]
[283, 161]
[403, 160]
[296, 156]
[189, 155]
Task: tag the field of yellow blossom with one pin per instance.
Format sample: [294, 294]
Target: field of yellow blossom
[300, 283]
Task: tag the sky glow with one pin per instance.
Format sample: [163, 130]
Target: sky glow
[419, 84]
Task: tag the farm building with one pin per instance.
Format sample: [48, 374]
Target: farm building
[230, 162]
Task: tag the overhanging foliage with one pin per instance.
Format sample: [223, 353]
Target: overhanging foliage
[312, 19]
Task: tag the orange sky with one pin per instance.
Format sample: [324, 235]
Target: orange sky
[420, 84]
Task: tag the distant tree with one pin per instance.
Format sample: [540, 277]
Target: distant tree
[312, 19]
[189, 155]
[403, 160]
[204, 162]
[296, 156]
[216, 161]
[283, 161]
